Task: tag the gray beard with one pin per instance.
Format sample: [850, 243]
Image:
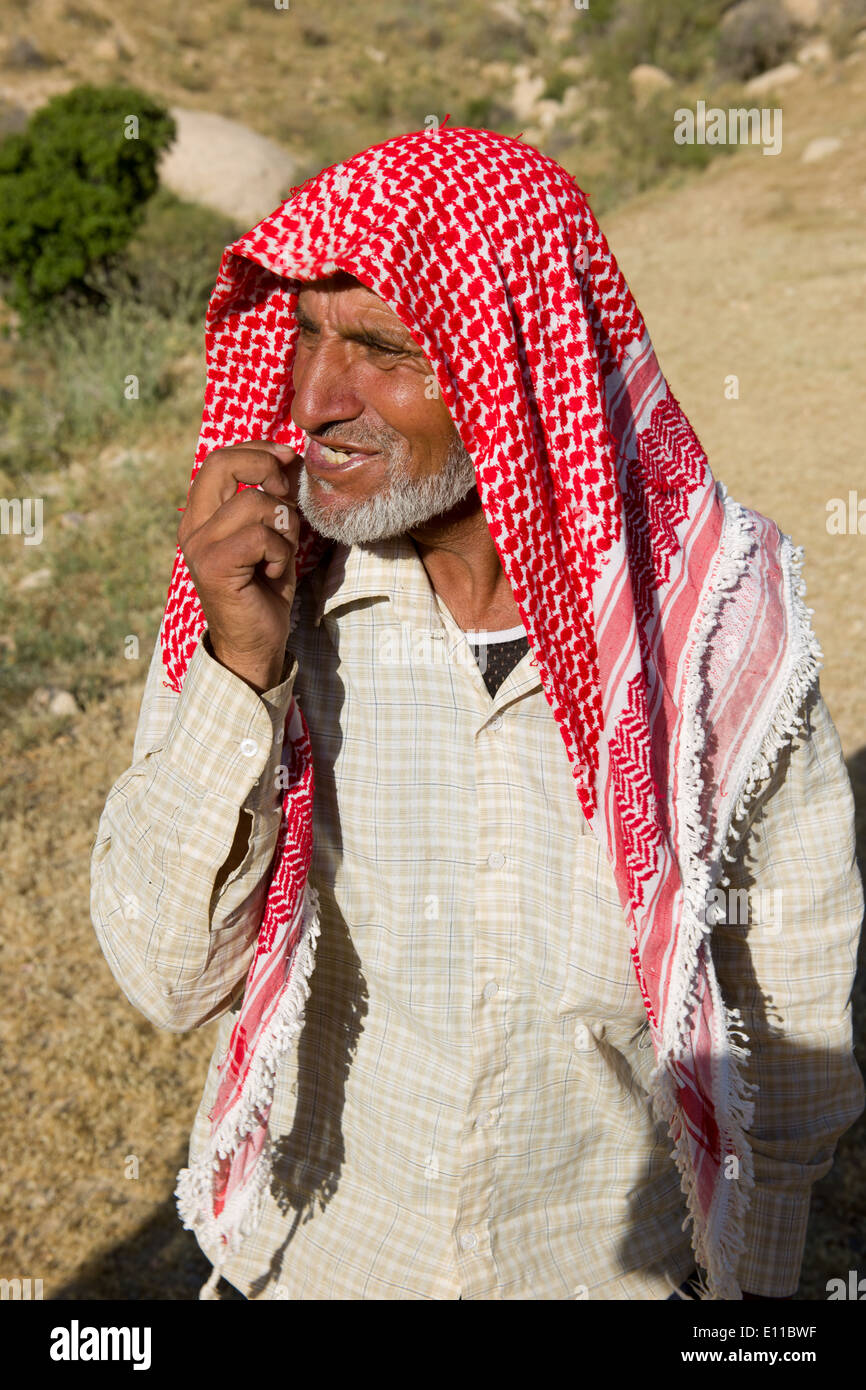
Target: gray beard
[404, 503]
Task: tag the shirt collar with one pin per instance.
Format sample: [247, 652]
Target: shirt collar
[389, 569]
[393, 570]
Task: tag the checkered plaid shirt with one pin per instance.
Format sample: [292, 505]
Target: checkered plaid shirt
[466, 1113]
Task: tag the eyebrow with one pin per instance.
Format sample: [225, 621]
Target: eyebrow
[377, 337]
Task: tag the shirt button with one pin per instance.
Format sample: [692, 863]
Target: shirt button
[582, 1037]
[249, 747]
[496, 860]
[468, 1240]
[490, 989]
[485, 1119]
[496, 722]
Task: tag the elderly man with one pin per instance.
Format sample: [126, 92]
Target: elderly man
[479, 711]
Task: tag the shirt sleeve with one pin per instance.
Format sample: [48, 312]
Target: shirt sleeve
[179, 935]
[786, 957]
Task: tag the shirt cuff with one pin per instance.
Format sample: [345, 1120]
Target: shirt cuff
[225, 737]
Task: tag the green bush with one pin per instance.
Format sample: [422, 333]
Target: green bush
[171, 263]
[676, 35]
[72, 191]
[757, 36]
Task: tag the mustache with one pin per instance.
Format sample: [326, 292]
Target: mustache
[363, 439]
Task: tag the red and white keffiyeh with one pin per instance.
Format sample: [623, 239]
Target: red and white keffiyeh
[667, 621]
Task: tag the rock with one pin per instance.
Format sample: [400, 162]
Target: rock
[376, 55]
[55, 701]
[815, 51]
[63, 702]
[525, 93]
[23, 53]
[508, 10]
[108, 49]
[495, 72]
[226, 166]
[820, 148]
[575, 65]
[111, 457]
[573, 100]
[805, 12]
[646, 79]
[774, 77]
[72, 520]
[34, 580]
[546, 113]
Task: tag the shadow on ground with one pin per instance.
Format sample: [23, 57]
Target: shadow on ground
[161, 1261]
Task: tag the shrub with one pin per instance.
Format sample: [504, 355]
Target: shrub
[72, 191]
[756, 36]
[72, 381]
[847, 20]
[676, 35]
[171, 263]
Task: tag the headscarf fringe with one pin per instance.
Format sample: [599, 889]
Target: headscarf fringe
[718, 1237]
[242, 1211]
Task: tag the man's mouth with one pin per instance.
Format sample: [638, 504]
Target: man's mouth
[322, 458]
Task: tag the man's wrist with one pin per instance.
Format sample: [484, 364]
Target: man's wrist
[261, 678]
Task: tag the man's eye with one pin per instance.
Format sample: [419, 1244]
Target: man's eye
[388, 351]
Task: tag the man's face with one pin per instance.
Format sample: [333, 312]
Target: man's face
[363, 384]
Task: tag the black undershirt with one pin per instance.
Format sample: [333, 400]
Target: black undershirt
[496, 660]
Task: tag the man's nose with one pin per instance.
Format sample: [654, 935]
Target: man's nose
[324, 387]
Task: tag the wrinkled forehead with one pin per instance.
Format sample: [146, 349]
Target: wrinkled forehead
[343, 296]
[339, 282]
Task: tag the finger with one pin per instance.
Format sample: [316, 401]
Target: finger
[244, 508]
[233, 561]
[257, 462]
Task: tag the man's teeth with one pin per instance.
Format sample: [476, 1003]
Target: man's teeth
[335, 455]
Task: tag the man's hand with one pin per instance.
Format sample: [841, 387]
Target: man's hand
[240, 549]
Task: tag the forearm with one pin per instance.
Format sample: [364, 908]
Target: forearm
[179, 867]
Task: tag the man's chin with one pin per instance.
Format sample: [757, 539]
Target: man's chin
[348, 523]
[390, 512]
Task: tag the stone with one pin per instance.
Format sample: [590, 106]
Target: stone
[226, 166]
[820, 149]
[109, 49]
[525, 93]
[774, 77]
[63, 703]
[805, 12]
[546, 113]
[815, 51]
[23, 53]
[574, 64]
[34, 580]
[54, 701]
[646, 79]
